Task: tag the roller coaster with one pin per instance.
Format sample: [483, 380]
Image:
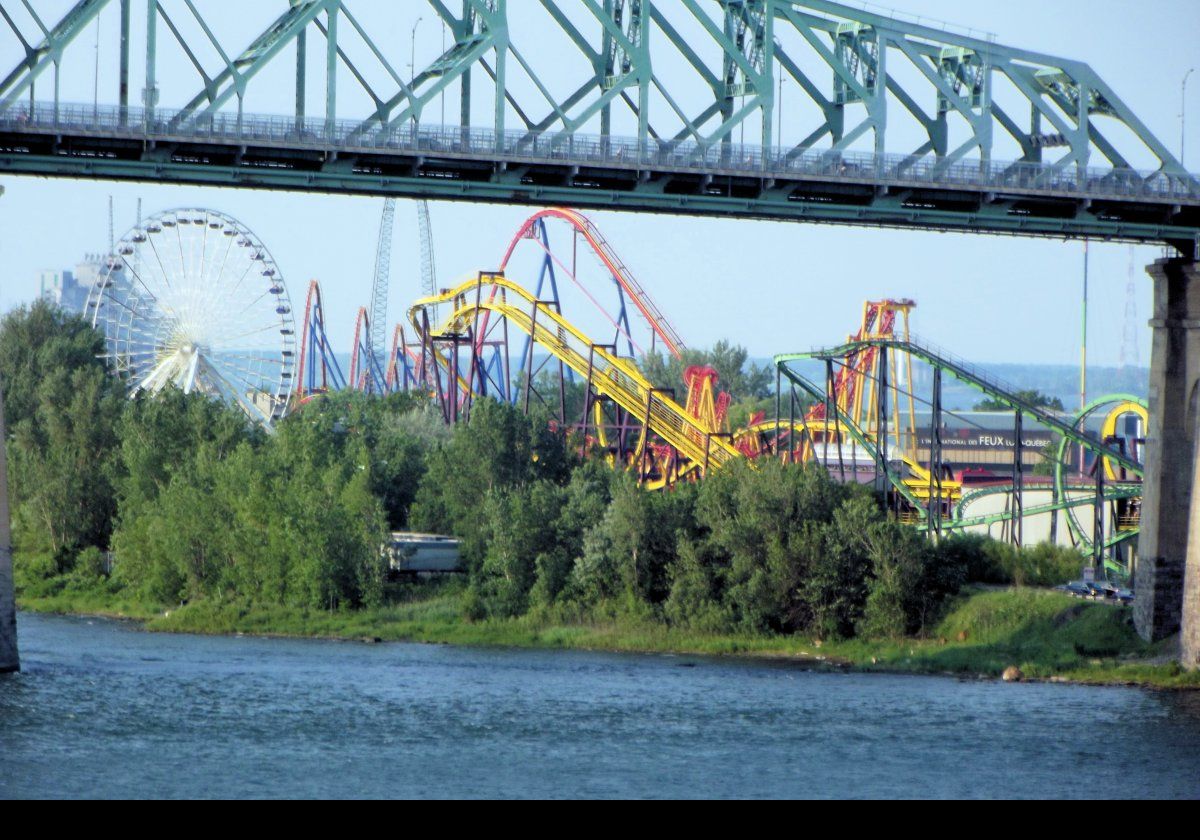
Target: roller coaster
[1101, 472]
[494, 336]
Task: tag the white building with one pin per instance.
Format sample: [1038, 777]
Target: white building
[70, 289]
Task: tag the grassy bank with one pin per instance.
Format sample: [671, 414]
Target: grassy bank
[1046, 634]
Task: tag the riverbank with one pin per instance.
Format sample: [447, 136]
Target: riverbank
[1047, 635]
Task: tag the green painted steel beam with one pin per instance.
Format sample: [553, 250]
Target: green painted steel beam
[235, 75]
[739, 54]
[963, 372]
[1082, 500]
[49, 50]
[860, 437]
[640, 198]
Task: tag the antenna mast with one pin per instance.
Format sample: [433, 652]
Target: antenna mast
[428, 262]
[1130, 355]
[379, 290]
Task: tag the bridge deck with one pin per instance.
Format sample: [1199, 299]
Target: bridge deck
[531, 168]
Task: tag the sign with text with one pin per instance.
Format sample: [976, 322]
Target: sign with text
[980, 439]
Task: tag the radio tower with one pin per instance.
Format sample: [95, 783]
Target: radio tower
[428, 261]
[429, 284]
[379, 288]
[1130, 356]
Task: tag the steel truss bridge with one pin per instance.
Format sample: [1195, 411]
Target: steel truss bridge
[647, 107]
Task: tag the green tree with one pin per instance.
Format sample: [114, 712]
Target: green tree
[497, 449]
[836, 590]
[523, 542]
[695, 597]
[766, 533]
[161, 434]
[61, 408]
[910, 582]
[584, 504]
[736, 375]
[627, 555]
[39, 341]
[1031, 396]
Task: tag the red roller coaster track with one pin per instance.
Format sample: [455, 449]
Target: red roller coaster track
[612, 262]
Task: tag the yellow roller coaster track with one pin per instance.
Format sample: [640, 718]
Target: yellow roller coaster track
[611, 376]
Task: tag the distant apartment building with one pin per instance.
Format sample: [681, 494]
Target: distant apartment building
[70, 289]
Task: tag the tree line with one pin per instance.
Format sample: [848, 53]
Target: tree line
[195, 503]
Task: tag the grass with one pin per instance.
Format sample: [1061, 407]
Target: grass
[1048, 635]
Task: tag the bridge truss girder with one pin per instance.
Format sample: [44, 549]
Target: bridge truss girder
[735, 54]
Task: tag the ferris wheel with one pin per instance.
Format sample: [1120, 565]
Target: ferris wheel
[192, 299]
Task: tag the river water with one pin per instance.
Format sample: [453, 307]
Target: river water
[105, 710]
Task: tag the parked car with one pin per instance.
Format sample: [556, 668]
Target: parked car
[1102, 589]
[1077, 588]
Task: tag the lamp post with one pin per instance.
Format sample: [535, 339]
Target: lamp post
[442, 96]
[779, 100]
[412, 74]
[1183, 119]
[779, 113]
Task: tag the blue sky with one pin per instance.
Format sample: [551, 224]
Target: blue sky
[773, 287]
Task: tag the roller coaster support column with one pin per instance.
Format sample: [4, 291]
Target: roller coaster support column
[1167, 543]
[1098, 523]
[778, 407]
[529, 357]
[935, 456]
[452, 390]
[831, 411]
[882, 482]
[8, 610]
[791, 456]
[588, 400]
[1018, 480]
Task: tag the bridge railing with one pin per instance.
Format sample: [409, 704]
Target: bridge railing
[571, 149]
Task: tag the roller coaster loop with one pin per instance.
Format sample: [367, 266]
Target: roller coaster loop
[319, 371]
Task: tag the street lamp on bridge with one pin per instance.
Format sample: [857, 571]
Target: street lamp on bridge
[1183, 119]
[412, 72]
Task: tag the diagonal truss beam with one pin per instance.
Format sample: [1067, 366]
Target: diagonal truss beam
[235, 75]
[48, 52]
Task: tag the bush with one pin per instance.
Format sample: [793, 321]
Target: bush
[911, 582]
[994, 562]
[1050, 565]
[90, 568]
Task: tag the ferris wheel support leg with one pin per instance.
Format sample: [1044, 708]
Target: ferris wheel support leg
[1168, 540]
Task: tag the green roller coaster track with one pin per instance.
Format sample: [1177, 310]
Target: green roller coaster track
[970, 375]
[1067, 496]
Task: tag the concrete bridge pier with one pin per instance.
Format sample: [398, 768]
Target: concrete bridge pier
[1189, 653]
[8, 608]
[1170, 522]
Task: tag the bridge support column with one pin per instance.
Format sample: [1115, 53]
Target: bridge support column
[8, 608]
[1170, 454]
[1190, 635]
